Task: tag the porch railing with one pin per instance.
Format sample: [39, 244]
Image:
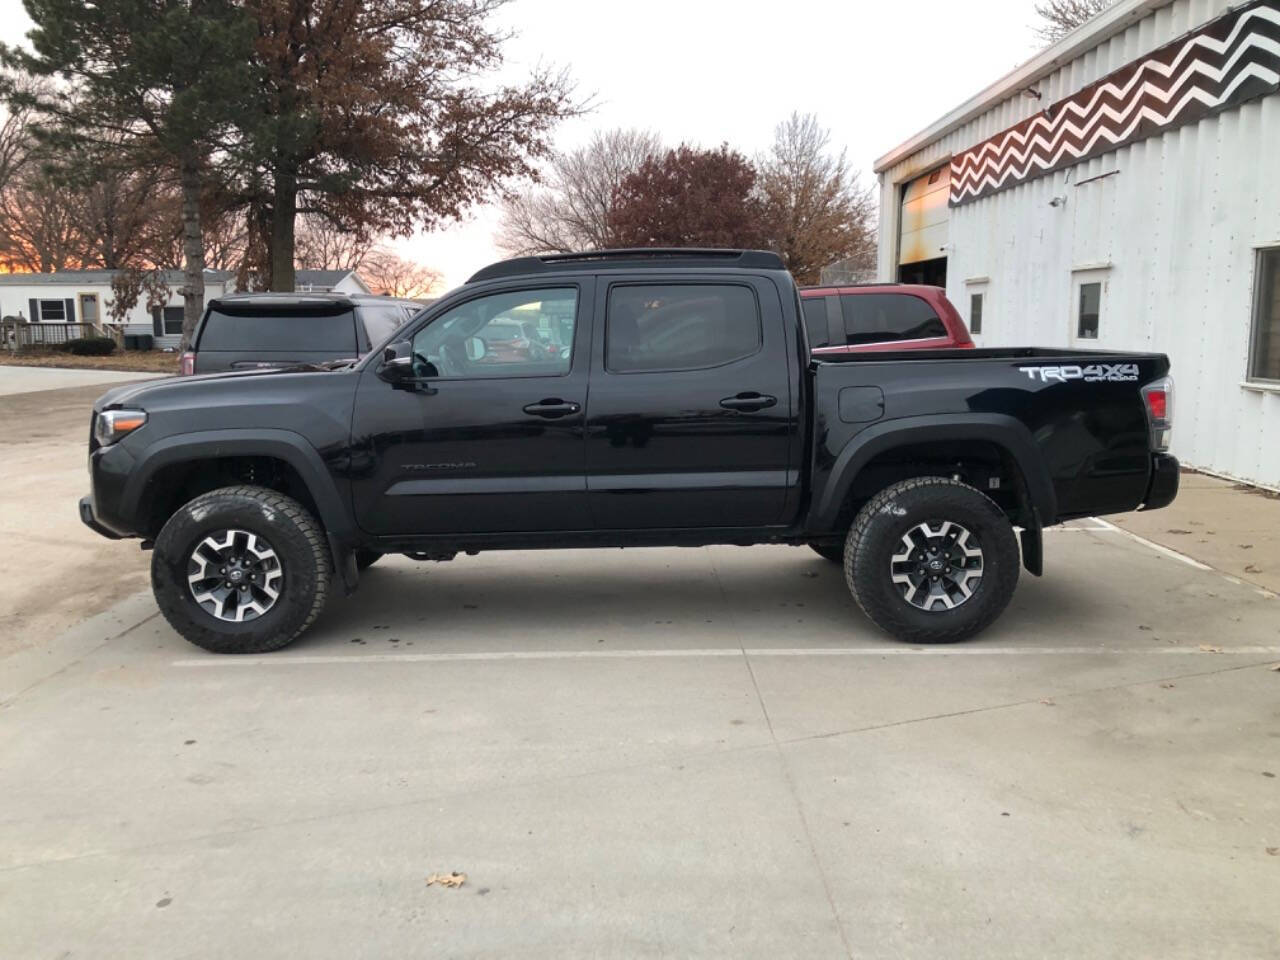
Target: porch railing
[21, 336]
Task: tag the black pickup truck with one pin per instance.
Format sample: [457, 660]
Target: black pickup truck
[670, 400]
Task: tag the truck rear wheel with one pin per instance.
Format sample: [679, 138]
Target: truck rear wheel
[931, 560]
[241, 570]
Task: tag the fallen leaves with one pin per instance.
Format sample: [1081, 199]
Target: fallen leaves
[1273, 851]
[453, 879]
[1250, 568]
[1275, 667]
[1167, 686]
[1209, 648]
[1048, 702]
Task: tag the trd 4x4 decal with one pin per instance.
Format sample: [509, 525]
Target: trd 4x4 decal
[1093, 373]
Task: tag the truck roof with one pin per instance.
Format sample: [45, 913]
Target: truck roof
[630, 257]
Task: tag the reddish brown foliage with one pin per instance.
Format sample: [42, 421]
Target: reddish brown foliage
[689, 198]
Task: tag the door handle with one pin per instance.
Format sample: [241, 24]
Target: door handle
[552, 409]
[748, 402]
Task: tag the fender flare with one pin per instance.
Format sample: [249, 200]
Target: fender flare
[293, 448]
[1009, 434]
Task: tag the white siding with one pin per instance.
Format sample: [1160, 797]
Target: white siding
[15, 297]
[1178, 224]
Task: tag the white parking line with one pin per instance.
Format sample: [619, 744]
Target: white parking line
[1157, 547]
[284, 659]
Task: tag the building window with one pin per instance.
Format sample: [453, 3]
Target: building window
[1090, 309]
[166, 321]
[975, 313]
[52, 311]
[1264, 358]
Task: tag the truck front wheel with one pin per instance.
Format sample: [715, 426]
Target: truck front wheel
[241, 570]
[931, 560]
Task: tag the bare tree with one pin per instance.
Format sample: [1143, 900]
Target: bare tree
[572, 211]
[15, 138]
[322, 244]
[391, 274]
[40, 223]
[39, 220]
[816, 212]
[1060, 17]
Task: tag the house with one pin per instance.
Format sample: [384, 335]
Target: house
[1119, 191]
[81, 297]
[329, 281]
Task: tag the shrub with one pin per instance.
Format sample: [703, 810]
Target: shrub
[90, 347]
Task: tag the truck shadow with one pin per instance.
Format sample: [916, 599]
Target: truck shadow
[771, 596]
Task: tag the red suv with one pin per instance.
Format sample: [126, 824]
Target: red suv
[881, 316]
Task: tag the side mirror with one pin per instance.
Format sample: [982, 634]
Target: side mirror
[476, 349]
[397, 361]
[397, 367]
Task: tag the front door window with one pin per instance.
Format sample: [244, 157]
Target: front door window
[525, 333]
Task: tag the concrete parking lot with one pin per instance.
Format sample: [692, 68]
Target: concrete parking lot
[657, 753]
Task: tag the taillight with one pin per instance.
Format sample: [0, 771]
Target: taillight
[187, 364]
[1158, 396]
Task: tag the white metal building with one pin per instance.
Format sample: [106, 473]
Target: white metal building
[1121, 190]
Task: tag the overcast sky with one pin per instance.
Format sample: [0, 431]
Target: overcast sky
[707, 71]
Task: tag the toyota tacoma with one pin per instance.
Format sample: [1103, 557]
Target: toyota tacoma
[675, 402]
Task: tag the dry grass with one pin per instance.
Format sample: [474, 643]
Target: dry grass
[145, 361]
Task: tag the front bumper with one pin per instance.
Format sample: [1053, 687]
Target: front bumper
[1163, 486]
[89, 520]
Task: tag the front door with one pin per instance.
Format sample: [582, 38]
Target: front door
[491, 442]
[692, 420]
[89, 308]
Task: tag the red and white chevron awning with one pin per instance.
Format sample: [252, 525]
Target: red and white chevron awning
[1226, 62]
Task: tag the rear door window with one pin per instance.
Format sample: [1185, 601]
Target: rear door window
[815, 321]
[886, 317]
[680, 327]
[280, 331]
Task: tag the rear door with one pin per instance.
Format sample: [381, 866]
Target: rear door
[259, 336]
[692, 415]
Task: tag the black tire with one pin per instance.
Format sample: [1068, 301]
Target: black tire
[829, 551]
[296, 541]
[367, 558]
[878, 533]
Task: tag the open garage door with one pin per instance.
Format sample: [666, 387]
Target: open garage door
[924, 229]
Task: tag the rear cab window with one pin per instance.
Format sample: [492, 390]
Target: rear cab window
[887, 317]
[680, 326]
[263, 329]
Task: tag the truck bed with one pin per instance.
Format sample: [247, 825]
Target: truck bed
[1076, 417]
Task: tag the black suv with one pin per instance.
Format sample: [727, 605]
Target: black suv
[248, 331]
[616, 399]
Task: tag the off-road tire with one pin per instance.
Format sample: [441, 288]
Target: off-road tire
[877, 534]
[829, 551]
[293, 533]
[367, 558]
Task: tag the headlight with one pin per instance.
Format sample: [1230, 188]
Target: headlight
[111, 425]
